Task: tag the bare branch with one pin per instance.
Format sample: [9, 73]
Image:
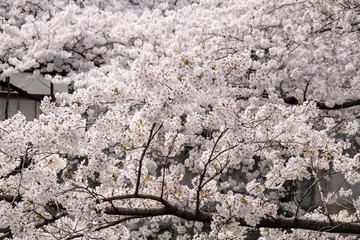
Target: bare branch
[151, 137]
[309, 189]
[202, 176]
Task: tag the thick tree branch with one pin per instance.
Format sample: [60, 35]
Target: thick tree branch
[294, 101]
[347, 104]
[188, 214]
[136, 196]
[206, 217]
[323, 106]
[10, 198]
[153, 212]
[307, 224]
[283, 223]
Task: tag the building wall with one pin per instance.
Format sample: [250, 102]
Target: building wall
[38, 86]
[27, 107]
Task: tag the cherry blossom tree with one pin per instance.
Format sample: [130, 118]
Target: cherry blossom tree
[188, 120]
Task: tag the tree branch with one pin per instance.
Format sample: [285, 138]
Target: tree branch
[151, 137]
[206, 217]
[25, 162]
[283, 223]
[347, 104]
[323, 106]
[202, 176]
[309, 189]
[10, 198]
[136, 196]
[107, 225]
[308, 224]
[39, 225]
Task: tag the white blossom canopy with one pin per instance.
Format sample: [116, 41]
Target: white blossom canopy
[189, 120]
